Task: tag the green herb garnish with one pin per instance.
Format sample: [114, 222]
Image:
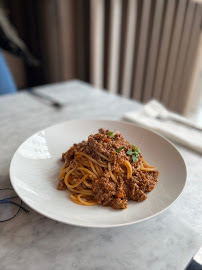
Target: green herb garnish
[135, 152]
[111, 134]
[118, 150]
[134, 158]
[130, 152]
[133, 147]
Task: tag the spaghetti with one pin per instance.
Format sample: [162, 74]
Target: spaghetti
[106, 170]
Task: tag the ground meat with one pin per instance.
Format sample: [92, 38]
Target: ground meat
[61, 185]
[118, 203]
[73, 164]
[104, 189]
[122, 189]
[107, 191]
[135, 193]
[147, 180]
[103, 143]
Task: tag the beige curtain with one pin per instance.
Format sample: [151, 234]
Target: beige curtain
[139, 49]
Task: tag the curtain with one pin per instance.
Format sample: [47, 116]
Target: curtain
[140, 49]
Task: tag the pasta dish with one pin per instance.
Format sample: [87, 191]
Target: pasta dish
[106, 169]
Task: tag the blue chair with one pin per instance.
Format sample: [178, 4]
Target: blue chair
[7, 84]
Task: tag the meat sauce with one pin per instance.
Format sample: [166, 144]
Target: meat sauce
[105, 190]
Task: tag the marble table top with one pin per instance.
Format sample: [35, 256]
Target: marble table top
[27, 242]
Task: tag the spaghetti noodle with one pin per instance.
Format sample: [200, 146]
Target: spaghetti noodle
[106, 170]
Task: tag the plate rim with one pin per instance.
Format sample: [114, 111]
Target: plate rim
[79, 224]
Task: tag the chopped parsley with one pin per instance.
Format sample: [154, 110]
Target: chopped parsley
[134, 158]
[134, 152]
[118, 150]
[133, 147]
[111, 134]
[130, 152]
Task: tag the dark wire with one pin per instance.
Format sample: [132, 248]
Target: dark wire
[7, 200]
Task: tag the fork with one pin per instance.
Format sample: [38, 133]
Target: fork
[158, 111]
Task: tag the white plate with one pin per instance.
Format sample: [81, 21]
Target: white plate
[36, 164]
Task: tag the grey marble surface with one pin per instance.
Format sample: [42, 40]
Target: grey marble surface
[32, 241]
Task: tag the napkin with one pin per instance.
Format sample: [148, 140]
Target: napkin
[147, 117]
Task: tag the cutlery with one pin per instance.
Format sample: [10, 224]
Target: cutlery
[158, 111]
[44, 97]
